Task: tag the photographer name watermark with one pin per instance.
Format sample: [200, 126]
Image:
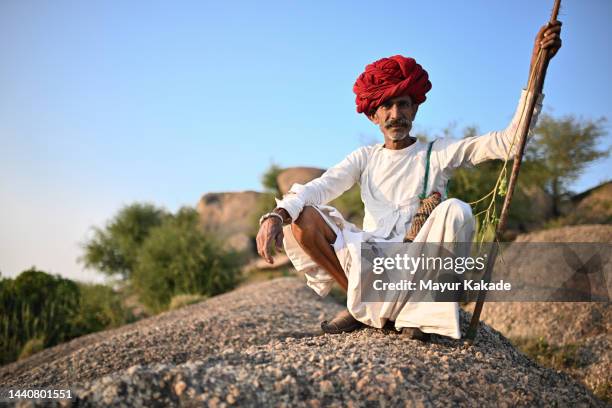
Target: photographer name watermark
[430, 285]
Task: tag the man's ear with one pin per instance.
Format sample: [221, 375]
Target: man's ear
[373, 118]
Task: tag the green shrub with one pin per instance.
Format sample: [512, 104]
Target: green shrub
[39, 310]
[100, 308]
[32, 347]
[551, 355]
[179, 258]
[35, 305]
[269, 179]
[179, 301]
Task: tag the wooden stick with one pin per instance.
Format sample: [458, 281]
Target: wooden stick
[534, 88]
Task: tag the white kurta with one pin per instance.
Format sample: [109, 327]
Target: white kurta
[391, 181]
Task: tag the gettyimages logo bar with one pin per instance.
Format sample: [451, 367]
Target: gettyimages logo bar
[454, 272]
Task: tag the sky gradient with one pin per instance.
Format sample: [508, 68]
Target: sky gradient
[107, 103]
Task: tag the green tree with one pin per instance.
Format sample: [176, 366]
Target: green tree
[555, 156]
[177, 258]
[562, 148]
[114, 249]
[269, 180]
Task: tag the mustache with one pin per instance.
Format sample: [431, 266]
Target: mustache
[401, 122]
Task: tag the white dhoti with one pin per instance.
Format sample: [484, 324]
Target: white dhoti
[451, 221]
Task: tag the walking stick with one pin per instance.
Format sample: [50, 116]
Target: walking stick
[534, 88]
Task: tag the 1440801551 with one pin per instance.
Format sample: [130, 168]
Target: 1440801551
[38, 394]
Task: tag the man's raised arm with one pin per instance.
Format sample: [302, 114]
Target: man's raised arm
[493, 145]
[502, 144]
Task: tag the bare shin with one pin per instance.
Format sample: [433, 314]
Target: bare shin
[316, 238]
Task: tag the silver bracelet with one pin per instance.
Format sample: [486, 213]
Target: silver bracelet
[271, 214]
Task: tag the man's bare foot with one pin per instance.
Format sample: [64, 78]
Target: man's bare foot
[415, 334]
[344, 322]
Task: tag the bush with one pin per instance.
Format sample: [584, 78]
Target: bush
[32, 347]
[269, 180]
[472, 184]
[179, 258]
[35, 305]
[179, 301]
[39, 310]
[100, 308]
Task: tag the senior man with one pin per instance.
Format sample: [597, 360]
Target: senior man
[394, 177]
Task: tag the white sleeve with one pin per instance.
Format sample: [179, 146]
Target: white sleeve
[454, 153]
[335, 181]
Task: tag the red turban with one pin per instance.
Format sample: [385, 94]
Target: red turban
[388, 78]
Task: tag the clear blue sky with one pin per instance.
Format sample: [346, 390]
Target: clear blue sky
[104, 103]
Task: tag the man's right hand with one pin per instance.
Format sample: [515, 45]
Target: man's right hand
[270, 231]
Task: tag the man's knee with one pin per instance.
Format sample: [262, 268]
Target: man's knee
[309, 225]
[307, 218]
[458, 210]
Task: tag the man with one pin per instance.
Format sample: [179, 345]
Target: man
[393, 178]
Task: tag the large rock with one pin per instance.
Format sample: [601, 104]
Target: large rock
[230, 215]
[261, 346]
[301, 175]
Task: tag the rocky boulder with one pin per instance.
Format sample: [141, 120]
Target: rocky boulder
[230, 215]
[302, 175]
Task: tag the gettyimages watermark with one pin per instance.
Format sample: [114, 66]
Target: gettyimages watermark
[509, 272]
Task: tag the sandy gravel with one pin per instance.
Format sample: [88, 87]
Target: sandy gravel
[261, 346]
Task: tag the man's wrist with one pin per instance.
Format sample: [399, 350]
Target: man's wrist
[284, 214]
[271, 216]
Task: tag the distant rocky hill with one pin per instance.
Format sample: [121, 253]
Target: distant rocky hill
[261, 346]
[593, 206]
[292, 175]
[230, 216]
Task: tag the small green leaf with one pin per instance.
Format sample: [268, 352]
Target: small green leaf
[503, 187]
